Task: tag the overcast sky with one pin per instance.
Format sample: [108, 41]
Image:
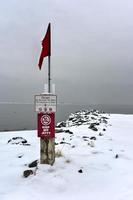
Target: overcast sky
[92, 50]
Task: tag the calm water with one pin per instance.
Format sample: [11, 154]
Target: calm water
[23, 117]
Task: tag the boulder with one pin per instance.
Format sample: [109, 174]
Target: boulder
[33, 164]
[27, 173]
[61, 124]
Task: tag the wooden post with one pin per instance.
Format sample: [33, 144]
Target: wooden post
[46, 126]
[47, 148]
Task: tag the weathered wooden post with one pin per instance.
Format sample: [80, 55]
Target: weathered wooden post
[46, 130]
[47, 151]
[46, 126]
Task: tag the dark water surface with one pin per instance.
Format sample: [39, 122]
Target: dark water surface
[23, 117]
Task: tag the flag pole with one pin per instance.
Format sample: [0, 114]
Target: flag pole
[49, 59]
[49, 76]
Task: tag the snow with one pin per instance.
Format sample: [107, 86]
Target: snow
[104, 176]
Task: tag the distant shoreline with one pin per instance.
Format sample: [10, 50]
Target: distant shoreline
[21, 116]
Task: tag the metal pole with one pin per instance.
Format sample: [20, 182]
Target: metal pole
[49, 76]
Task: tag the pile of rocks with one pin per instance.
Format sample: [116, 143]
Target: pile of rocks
[19, 141]
[92, 118]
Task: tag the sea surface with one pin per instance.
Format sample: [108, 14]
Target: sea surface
[19, 116]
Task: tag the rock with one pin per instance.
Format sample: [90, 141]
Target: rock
[85, 137]
[93, 118]
[92, 143]
[71, 118]
[18, 140]
[92, 127]
[67, 131]
[61, 124]
[104, 129]
[59, 130]
[116, 156]
[100, 134]
[105, 121]
[80, 171]
[26, 144]
[84, 117]
[104, 117]
[64, 143]
[97, 123]
[81, 121]
[85, 140]
[74, 120]
[33, 164]
[20, 156]
[95, 114]
[93, 138]
[73, 146]
[27, 173]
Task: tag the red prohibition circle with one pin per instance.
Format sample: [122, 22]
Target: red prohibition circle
[45, 120]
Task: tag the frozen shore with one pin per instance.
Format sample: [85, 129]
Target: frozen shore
[94, 160]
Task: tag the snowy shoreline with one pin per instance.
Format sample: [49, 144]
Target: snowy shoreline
[90, 165]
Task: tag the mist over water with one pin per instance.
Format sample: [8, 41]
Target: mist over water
[23, 116]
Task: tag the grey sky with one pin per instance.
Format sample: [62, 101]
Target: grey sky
[92, 49]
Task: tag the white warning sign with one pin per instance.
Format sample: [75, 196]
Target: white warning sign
[46, 103]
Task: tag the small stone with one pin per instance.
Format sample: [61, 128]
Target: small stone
[59, 130]
[92, 127]
[80, 171]
[27, 173]
[24, 141]
[85, 140]
[64, 143]
[104, 129]
[100, 134]
[73, 146]
[93, 138]
[116, 156]
[85, 137]
[92, 144]
[93, 118]
[33, 164]
[67, 131]
[20, 156]
[26, 144]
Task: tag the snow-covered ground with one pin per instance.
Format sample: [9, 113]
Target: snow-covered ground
[95, 164]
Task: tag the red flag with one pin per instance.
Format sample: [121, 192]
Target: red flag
[46, 46]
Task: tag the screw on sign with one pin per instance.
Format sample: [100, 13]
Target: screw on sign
[40, 109]
[46, 125]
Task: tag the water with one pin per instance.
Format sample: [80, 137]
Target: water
[23, 117]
